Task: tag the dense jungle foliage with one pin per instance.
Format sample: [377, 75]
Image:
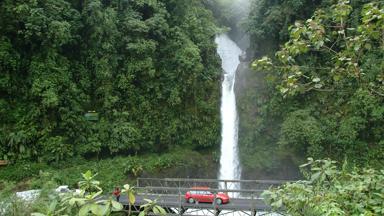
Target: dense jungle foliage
[82, 79]
[146, 71]
[330, 190]
[322, 94]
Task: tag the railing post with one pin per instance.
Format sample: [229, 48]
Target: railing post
[180, 205]
[254, 212]
[214, 204]
[253, 207]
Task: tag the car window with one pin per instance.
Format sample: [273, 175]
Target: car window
[200, 192]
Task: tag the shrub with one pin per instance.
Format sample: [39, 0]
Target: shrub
[18, 172]
[329, 190]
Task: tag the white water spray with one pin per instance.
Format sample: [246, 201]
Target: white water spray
[229, 161]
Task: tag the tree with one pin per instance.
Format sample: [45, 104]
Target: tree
[332, 66]
[63, 59]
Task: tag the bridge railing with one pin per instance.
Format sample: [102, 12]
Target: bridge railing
[173, 197]
[170, 193]
[175, 191]
[212, 183]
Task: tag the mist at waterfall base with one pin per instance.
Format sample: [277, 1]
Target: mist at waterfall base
[230, 168]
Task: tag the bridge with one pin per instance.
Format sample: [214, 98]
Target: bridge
[169, 193]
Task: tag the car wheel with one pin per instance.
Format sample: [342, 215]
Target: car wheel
[191, 200]
[219, 201]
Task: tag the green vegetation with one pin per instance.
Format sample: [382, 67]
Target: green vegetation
[329, 75]
[85, 202]
[269, 21]
[99, 78]
[151, 206]
[317, 91]
[124, 88]
[130, 192]
[14, 206]
[111, 172]
[261, 108]
[90, 200]
[331, 191]
[321, 95]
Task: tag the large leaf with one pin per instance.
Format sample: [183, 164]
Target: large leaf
[159, 210]
[79, 201]
[87, 175]
[127, 187]
[116, 206]
[85, 210]
[105, 209]
[52, 206]
[132, 198]
[91, 208]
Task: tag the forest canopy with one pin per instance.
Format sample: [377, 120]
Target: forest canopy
[101, 77]
[326, 83]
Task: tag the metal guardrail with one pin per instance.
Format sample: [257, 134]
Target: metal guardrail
[172, 197]
[212, 183]
[170, 193]
[274, 182]
[159, 190]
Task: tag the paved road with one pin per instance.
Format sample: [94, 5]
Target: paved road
[173, 201]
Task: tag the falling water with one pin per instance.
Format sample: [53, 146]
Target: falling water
[229, 160]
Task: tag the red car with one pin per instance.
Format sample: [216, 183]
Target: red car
[202, 194]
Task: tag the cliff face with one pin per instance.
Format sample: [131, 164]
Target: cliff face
[259, 154]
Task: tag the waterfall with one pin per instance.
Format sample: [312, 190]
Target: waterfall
[229, 161]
